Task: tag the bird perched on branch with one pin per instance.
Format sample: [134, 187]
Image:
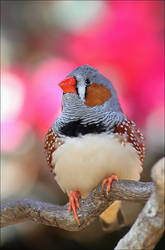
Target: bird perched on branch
[92, 141]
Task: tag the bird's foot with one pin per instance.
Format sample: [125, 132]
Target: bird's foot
[74, 204]
[109, 180]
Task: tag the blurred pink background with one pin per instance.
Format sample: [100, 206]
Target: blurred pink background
[41, 42]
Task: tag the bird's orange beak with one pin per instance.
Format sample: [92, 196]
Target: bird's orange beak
[68, 85]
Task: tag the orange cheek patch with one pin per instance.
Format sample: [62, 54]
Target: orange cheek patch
[97, 94]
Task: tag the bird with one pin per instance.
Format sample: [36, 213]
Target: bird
[92, 141]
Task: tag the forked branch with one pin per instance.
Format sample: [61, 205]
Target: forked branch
[149, 226]
[16, 211]
[145, 232]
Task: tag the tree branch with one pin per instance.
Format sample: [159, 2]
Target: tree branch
[149, 226]
[145, 232]
[16, 211]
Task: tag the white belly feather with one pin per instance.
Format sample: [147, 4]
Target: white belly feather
[81, 163]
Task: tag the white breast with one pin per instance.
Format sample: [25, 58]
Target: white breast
[82, 163]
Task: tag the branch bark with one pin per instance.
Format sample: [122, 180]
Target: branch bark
[145, 232]
[149, 226]
[17, 211]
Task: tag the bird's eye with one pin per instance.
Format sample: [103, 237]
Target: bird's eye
[87, 81]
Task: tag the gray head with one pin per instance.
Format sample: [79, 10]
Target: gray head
[89, 97]
[90, 89]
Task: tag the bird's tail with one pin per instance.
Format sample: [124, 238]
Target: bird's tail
[112, 218]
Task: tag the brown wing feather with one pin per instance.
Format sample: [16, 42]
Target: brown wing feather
[130, 133]
[52, 142]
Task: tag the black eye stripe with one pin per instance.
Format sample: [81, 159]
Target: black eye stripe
[77, 90]
[87, 84]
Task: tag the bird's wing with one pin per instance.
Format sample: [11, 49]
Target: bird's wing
[52, 142]
[129, 133]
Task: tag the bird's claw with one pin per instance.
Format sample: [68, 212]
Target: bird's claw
[74, 203]
[109, 180]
